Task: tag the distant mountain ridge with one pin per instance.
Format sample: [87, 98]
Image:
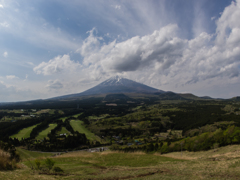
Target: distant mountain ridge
[115, 85]
[115, 89]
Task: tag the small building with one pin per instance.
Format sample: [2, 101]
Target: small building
[63, 134]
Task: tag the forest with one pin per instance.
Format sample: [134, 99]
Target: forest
[124, 123]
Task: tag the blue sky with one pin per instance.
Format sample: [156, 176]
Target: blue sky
[57, 47]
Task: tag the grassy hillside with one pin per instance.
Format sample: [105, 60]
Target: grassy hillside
[24, 133]
[78, 126]
[45, 132]
[28, 155]
[63, 131]
[220, 163]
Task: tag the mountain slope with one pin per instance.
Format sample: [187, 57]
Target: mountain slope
[116, 85]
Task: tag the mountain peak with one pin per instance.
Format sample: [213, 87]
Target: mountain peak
[115, 80]
[117, 77]
[118, 84]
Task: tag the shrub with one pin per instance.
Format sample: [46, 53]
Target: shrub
[38, 163]
[6, 163]
[57, 169]
[49, 163]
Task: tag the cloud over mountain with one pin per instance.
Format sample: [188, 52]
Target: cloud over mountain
[181, 46]
[56, 65]
[163, 52]
[160, 57]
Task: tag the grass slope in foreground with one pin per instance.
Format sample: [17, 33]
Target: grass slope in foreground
[78, 126]
[45, 132]
[28, 155]
[220, 163]
[24, 133]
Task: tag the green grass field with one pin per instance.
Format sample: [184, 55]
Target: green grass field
[63, 131]
[76, 115]
[220, 163]
[78, 126]
[28, 155]
[45, 132]
[24, 133]
[64, 118]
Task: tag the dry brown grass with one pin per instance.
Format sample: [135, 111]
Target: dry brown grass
[87, 154]
[120, 152]
[226, 152]
[75, 154]
[5, 162]
[221, 163]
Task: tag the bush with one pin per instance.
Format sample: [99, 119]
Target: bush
[49, 163]
[57, 169]
[38, 163]
[6, 163]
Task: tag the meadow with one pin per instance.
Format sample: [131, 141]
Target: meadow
[24, 133]
[45, 132]
[79, 126]
[220, 163]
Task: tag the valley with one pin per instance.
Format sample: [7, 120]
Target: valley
[147, 134]
[119, 90]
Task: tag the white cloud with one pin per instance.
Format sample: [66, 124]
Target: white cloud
[117, 7]
[11, 77]
[59, 64]
[56, 84]
[135, 53]
[162, 57]
[212, 18]
[1, 6]
[5, 54]
[34, 29]
[30, 63]
[12, 93]
[4, 24]
[90, 44]
[26, 78]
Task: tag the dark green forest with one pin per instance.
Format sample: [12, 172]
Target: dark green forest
[148, 123]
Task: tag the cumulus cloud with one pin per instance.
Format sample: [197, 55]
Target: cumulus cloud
[57, 65]
[90, 44]
[5, 54]
[12, 93]
[56, 84]
[135, 53]
[164, 54]
[160, 59]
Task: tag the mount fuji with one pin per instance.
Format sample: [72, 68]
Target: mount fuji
[115, 85]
